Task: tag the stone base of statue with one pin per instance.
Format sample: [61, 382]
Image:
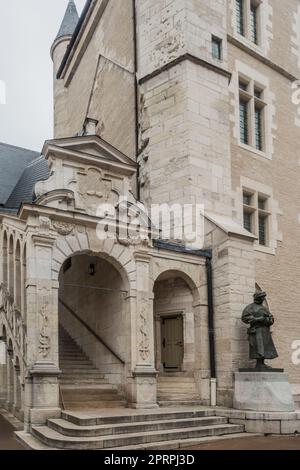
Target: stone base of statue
[263, 391]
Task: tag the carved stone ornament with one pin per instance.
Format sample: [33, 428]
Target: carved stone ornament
[63, 228]
[144, 343]
[44, 338]
[45, 225]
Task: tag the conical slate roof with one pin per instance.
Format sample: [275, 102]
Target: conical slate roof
[69, 22]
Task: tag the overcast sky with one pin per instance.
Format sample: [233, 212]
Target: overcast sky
[27, 30]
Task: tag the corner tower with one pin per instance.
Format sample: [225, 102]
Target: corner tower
[58, 50]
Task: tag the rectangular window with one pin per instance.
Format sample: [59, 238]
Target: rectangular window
[258, 129]
[216, 48]
[240, 17]
[256, 215]
[244, 134]
[248, 19]
[252, 113]
[247, 221]
[262, 222]
[254, 23]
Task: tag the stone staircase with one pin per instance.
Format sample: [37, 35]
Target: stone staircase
[159, 429]
[175, 389]
[82, 386]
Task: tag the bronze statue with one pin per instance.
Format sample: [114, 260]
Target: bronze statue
[260, 320]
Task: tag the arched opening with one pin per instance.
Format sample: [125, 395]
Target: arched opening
[94, 334]
[3, 367]
[23, 283]
[11, 267]
[4, 254]
[10, 375]
[174, 316]
[18, 387]
[18, 275]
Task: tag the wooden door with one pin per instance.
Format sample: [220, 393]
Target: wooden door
[172, 342]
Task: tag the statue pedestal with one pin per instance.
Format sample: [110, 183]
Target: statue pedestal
[263, 391]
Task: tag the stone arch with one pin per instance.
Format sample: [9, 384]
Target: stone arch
[11, 271]
[80, 241]
[176, 297]
[23, 280]
[93, 310]
[18, 283]
[5, 260]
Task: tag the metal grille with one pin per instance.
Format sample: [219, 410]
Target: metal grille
[262, 230]
[253, 24]
[258, 129]
[244, 135]
[247, 221]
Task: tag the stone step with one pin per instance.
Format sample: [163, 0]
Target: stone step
[81, 381]
[152, 415]
[171, 403]
[95, 405]
[85, 388]
[72, 430]
[75, 371]
[82, 396]
[53, 438]
[181, 379]
[78, 366]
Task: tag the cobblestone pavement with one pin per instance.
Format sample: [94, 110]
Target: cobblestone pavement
[7, 437]
[253, 443]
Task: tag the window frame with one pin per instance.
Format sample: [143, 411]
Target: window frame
[219, 42]
[248, 93]
[256, 212]
[246, 9]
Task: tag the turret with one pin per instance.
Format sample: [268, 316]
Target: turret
[58, 50]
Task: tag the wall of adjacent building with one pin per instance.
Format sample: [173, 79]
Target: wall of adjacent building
[100, 81]
[277, 269]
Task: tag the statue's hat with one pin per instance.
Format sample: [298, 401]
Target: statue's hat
[259, 295]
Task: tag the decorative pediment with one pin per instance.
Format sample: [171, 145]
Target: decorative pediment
[90, 149]
[90, 169]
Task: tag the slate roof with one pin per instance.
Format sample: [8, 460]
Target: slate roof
[20, 170]
[69, 22]
[13, 161]
[24, 190]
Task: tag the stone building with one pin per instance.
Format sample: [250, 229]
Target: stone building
[159, 102]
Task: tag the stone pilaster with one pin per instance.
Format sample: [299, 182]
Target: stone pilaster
[144, 373]
[42, 331]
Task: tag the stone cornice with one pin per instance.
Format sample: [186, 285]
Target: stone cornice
[285, 73]
[183, 58]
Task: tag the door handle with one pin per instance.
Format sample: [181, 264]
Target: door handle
[164, 342]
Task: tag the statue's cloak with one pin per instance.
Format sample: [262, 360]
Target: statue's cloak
[260, 337]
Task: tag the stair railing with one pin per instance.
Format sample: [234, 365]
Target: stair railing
[90, 330]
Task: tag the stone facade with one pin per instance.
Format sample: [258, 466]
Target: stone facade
[170, 112]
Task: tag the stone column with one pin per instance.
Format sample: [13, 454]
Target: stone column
[41, 384]
[9, 375]
[144, 373]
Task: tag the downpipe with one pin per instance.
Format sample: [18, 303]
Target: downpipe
[211, 334]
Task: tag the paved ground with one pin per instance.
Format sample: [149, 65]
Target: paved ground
[7, 438]
[253, 443]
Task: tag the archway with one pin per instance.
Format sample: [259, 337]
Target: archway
[18, 275]
[174, 315]
[3, 366]
[94, 335]
[4, 254]
[11, 266]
